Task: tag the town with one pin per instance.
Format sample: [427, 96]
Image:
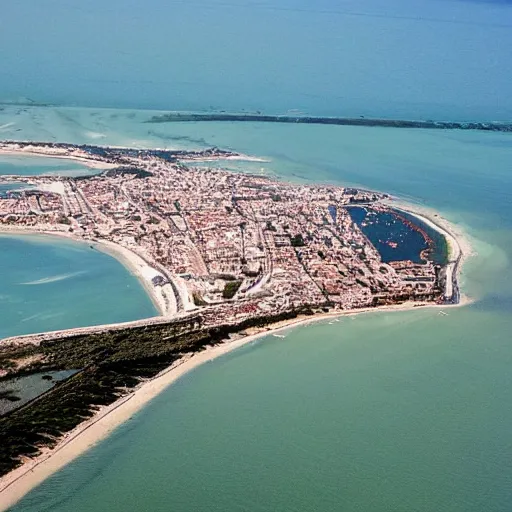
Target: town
[228, 245]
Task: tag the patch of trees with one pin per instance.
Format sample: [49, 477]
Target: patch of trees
[63, 220]
[121, 171]
[198, 299]
[230, 289]
[297, 241]
[113, 362]
[270, 226]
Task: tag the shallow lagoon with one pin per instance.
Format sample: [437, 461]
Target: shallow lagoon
[26, 165]
[50, 283]
[24, 389]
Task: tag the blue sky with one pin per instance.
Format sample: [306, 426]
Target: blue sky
[413, 58]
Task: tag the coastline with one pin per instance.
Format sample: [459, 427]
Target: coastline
[137, 266]
[33, 472]
[92, 164]
[456, 237]
[173, 117]
[134, 263]
[459, 246]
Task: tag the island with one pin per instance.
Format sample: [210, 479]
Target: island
[225, 256]
[180, 117]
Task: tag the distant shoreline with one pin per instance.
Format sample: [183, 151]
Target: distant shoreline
[179, 117]
[86, 162]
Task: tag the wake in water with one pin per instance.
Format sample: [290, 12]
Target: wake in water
[41, 316]
[54, 279]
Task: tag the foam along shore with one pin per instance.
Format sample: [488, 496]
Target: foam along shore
[33, 472]
[162, 296]
[92, 164]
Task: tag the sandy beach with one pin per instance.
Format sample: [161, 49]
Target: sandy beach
[165, 304]
[129, 259]
[456, 254]
[457, 239]
[19, 482]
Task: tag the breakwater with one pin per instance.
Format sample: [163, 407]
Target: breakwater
[176, 117]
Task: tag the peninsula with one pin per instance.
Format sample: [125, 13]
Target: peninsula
[224, 256]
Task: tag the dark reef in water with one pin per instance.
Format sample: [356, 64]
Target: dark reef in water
[175, 117]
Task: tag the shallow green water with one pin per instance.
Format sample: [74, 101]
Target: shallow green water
[384, 412]
[381, 412]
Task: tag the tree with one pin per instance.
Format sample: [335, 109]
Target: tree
[297, 241]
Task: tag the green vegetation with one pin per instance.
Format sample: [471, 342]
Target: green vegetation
[63, 220]
[198, 299]
[270, 226]
[230, 289]
[297, 241]
[113, 362]
[123, 171]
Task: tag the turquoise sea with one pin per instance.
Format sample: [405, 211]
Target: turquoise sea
[384, 412]
[403, 411]
[25, 165]
[434, 59]
[49, 283]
